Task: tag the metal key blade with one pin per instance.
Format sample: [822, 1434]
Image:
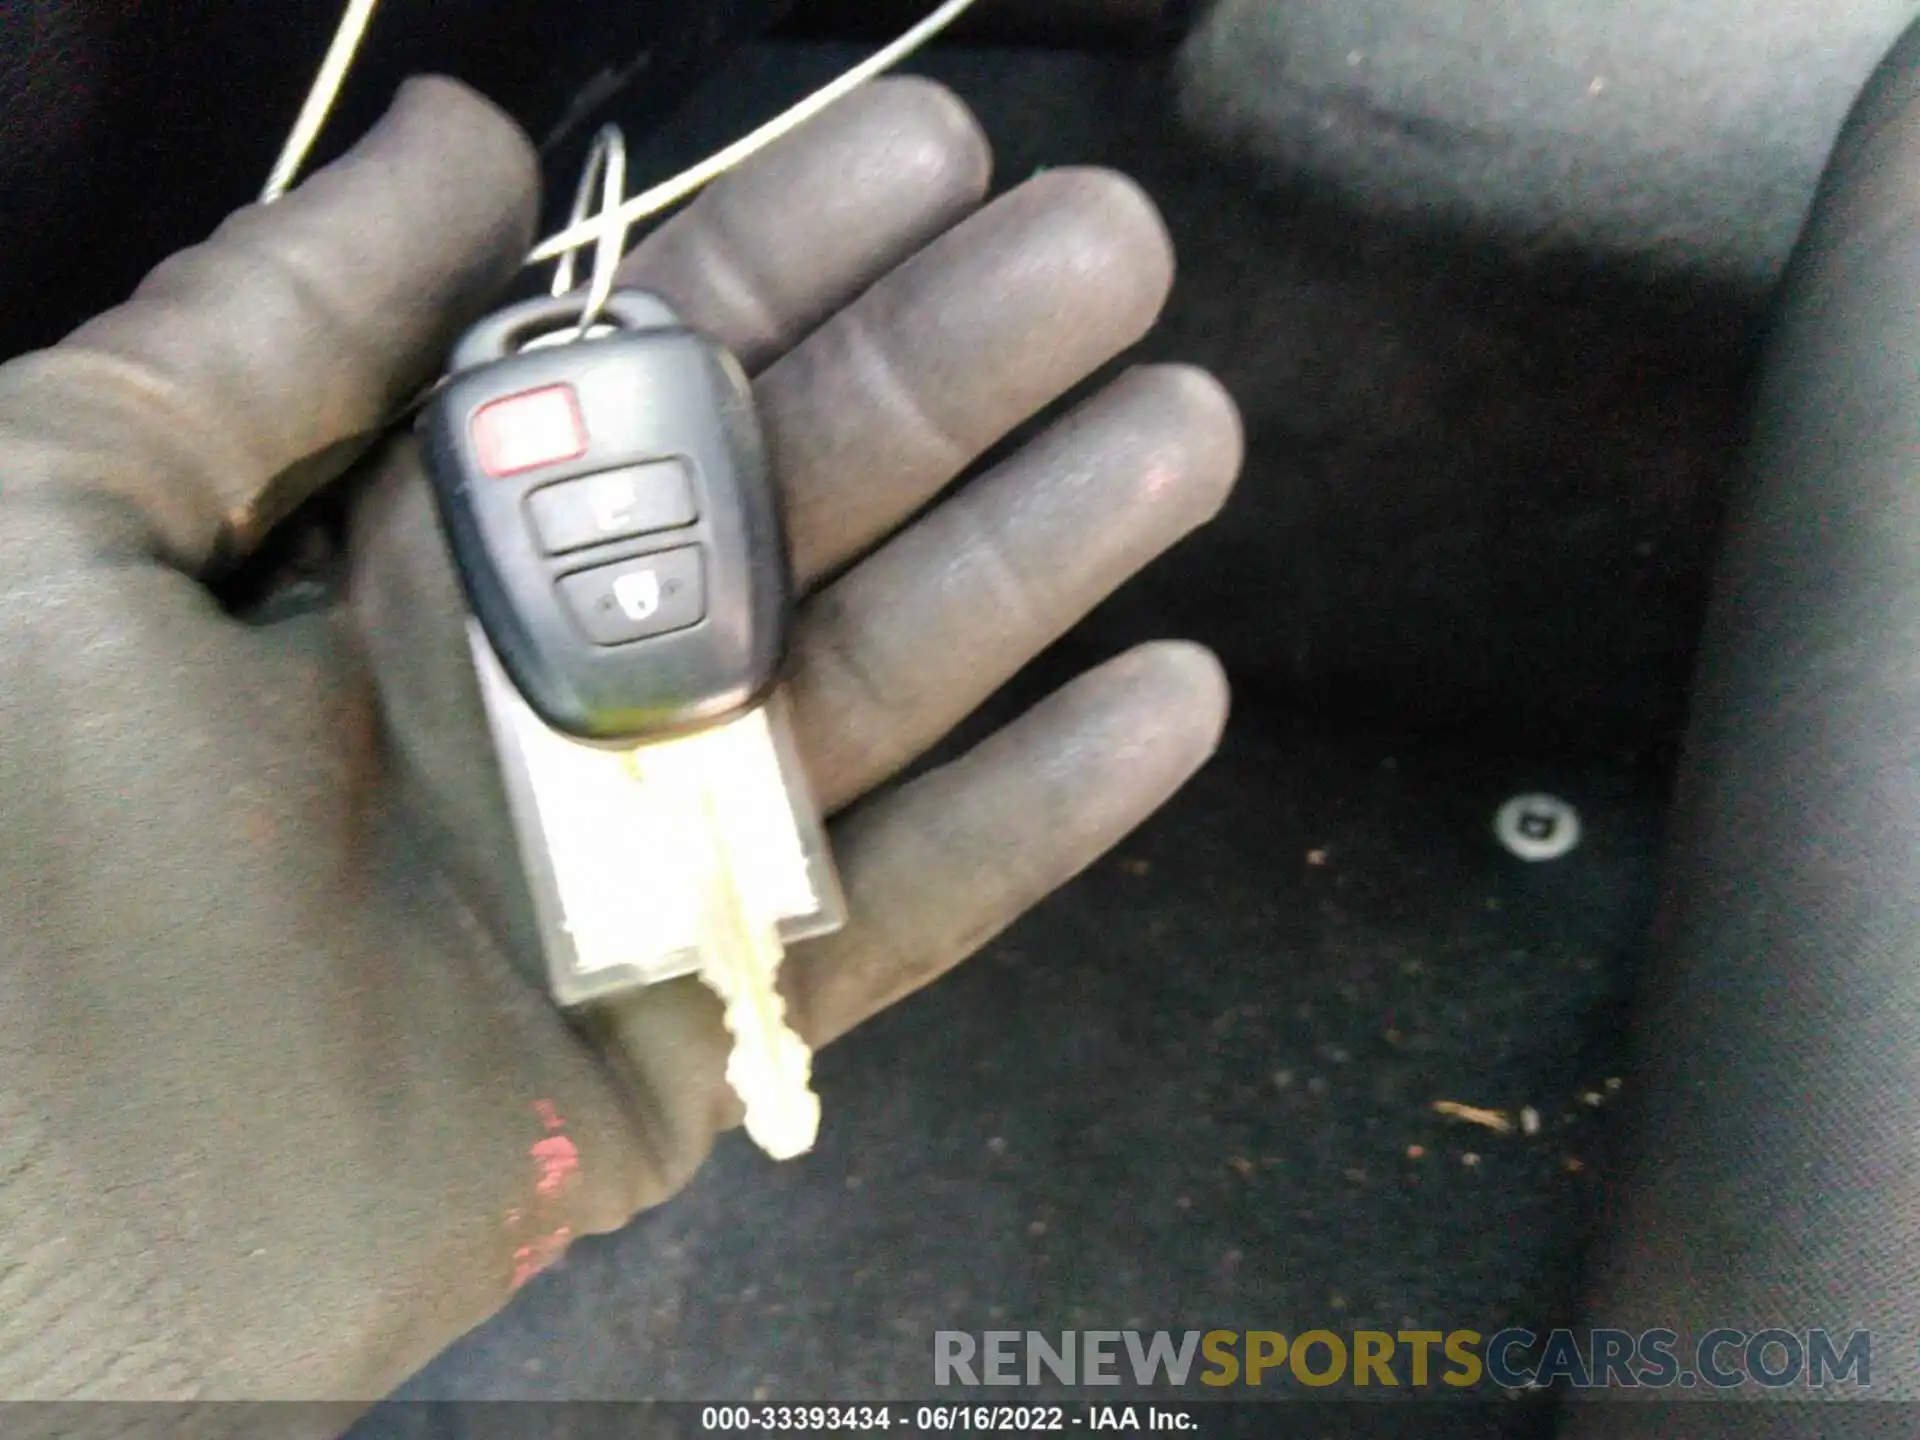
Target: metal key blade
[771, 1068]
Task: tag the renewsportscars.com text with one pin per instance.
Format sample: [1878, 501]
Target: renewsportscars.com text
[1513, 1359]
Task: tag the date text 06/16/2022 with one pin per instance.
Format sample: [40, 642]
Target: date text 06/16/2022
[943, 1419]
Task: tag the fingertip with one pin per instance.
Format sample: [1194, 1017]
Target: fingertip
[1183, 689]
[441, 99]
[470, 141]
[1132, 730]
[1112, 233]
[1211, 412]
[1198, 415]
[937, 143]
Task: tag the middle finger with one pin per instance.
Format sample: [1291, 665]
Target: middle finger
[880, 408]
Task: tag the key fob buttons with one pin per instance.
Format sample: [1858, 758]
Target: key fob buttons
[620, 504]
[612, 517]
[638, 599]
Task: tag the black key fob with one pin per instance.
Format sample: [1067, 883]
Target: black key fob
[609, 506]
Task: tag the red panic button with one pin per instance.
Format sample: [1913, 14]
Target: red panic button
[529, 430]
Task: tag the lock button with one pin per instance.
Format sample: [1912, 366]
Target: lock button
[640, 598]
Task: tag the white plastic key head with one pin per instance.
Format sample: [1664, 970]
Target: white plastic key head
[617, 875]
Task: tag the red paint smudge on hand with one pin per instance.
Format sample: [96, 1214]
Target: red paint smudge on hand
[558, 1161]
[530, 1260]
[556, 1165]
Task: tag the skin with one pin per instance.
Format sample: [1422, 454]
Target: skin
[287, 1107]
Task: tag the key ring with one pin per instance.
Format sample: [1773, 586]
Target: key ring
[606, 168]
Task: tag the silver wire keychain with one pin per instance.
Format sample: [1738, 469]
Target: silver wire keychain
[606, 167]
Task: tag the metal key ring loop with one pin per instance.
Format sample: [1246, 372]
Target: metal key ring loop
[606, 169]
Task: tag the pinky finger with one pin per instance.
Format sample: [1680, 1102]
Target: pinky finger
[937, 868]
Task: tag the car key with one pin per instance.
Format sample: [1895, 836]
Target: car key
[608, 506]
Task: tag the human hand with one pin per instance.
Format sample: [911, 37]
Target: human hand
[286, 1109]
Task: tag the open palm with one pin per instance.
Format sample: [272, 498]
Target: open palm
[286, 1108]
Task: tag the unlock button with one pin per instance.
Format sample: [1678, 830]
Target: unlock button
[636, 599]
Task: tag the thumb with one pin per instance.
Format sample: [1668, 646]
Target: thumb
[250, 369]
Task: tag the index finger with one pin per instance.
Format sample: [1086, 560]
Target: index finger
[249, 369]
[770, 250]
